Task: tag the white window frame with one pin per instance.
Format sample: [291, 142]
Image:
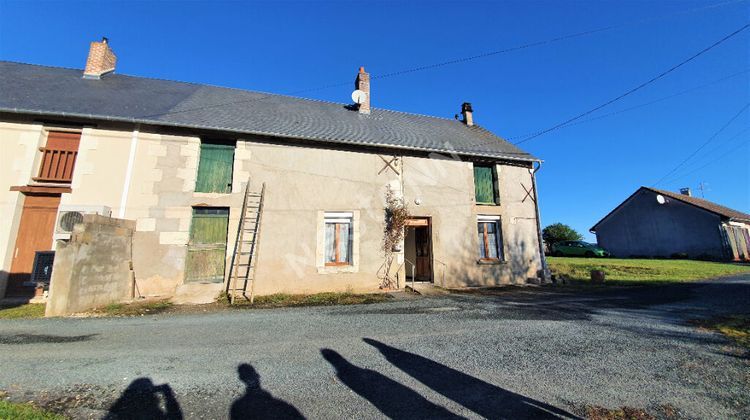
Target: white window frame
[324, 217]
[499, 240]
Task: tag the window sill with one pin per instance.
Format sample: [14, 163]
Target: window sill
[488, 204]
[491, 262]
[337, 269]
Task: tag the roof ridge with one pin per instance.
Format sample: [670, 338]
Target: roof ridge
[286, 95]
[696, 201]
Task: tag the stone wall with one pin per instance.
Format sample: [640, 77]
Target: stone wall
[94, 268]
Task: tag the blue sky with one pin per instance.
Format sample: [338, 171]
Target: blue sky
[589, 167]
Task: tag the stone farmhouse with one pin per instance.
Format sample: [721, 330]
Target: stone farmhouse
[216, 179]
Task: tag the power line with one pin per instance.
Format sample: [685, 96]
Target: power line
[637, 88]
[458, 60]
[710, 139]
[747, 141]
[632, 108]
[695, 167]
[547, 41]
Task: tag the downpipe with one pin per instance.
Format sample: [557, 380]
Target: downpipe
[546, 274]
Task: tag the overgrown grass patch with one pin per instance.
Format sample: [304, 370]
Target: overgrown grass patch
[280, 300]
[593, 412]
[134, 308]
[25, 411]
[642, 271]
[736, 327]
[28, 310]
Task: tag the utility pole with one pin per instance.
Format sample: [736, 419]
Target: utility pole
[702, 187]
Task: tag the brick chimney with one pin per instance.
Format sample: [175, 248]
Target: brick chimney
[467, 112]
[101, 60]
[363, 83]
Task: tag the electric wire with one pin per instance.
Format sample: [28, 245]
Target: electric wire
[654, 101]
[710, 139]
[453, 61]
[698, 165]
[637, 88]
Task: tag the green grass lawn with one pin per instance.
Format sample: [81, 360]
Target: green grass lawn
[637, 271]
[19, 411]
[29, 310]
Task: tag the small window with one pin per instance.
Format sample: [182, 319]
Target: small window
[484, 185]
[338, 238]
[490, 238]
[215, 168]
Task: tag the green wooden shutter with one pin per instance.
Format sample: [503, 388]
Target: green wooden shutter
[484, 185]
[215, 168]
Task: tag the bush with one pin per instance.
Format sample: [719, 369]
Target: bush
[559, 232]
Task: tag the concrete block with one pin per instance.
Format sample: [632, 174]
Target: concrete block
[174, 238]
[197, 293]
[145, 225]
[157, 150]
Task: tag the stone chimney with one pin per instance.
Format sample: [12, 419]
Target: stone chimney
[467, 112]
[363, 83]
[101, 60]
[686, 191]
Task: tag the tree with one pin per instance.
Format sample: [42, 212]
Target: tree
[559, 232]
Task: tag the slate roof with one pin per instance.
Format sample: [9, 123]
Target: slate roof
[705, 205]
[62, 92]
[720, 210]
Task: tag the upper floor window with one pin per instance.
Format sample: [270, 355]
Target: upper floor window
[58, 157]
[338, 238]
[215, 168]
[485, 187]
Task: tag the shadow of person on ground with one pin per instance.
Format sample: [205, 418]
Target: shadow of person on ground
[144, 400]
[482, 398]
[257, 402]
[390, 397]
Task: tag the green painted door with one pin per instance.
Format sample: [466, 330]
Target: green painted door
[208, 245]
[215, 168]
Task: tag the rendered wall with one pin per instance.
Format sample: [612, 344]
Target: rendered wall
[643, 227]
[302, 183]
[20, 143]
[92, 269]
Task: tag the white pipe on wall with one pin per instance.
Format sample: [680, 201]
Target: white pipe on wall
[128, 173]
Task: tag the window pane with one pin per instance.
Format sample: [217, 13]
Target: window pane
[482, 250]
[330, 242]
[492, 240]
[344, 242]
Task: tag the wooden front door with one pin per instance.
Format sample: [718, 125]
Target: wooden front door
[424, 253]
[35, 233]
[208, 245]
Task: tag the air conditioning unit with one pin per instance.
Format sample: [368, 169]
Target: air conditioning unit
[69, 215]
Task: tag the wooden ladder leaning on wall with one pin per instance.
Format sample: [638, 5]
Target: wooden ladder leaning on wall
[244, 260]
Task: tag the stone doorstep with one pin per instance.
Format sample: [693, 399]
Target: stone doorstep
[197, 293]
[425, 288]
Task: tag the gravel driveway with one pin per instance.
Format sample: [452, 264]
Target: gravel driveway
[526, 353]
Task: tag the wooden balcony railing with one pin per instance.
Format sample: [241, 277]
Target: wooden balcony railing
[57, 165]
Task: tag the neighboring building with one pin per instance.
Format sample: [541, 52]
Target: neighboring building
[176, 158]
[658, 223]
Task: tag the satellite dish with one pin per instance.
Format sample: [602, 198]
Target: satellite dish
[660, 199]
[359, 96]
